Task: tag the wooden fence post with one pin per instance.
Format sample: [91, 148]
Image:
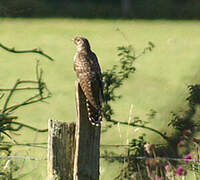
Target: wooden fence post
[61, 148]
[87, 153]
[73, 151]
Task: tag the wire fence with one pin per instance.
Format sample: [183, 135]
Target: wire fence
[23, 157]
[108, 157]
[150, 158]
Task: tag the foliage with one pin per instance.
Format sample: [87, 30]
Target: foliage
[184, 125]
[7, 116]
[114, 78]
[183, 122]
[194, 97]
[141, 162]
[8, 123]
[166, 168]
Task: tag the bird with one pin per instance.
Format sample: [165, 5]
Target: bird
[89, 76]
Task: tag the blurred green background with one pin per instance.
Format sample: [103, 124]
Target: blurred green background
[160, 81]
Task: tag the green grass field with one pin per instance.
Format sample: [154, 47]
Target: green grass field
[160, 81]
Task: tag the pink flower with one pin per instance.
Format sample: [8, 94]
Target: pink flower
[157, 178]
[166, 167]
[187, 158]
[181, 171]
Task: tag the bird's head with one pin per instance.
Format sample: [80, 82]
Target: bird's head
[81, 43]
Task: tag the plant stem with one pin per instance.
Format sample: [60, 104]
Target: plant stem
[37, 51]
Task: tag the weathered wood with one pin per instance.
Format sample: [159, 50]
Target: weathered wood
[86, 165]
[73, 151]
[61, 148]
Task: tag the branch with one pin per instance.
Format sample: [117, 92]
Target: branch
[140, 126]
[25, 88]
[27, 126]
[5, 117]
[38, 145]
[3, 132]
[26, 102]
[29, 81]
[1, 96]
[10, 95]
[36, 50]
[40, 96]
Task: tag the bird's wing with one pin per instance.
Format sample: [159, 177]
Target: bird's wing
[98, 75]
[89, 79]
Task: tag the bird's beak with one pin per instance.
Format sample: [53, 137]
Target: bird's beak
[73, 40]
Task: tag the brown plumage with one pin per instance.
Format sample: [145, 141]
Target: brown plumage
[89, 76]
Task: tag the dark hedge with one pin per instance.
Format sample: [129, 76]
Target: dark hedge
[146, 9]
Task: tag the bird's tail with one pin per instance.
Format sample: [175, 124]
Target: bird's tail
[94, 114]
